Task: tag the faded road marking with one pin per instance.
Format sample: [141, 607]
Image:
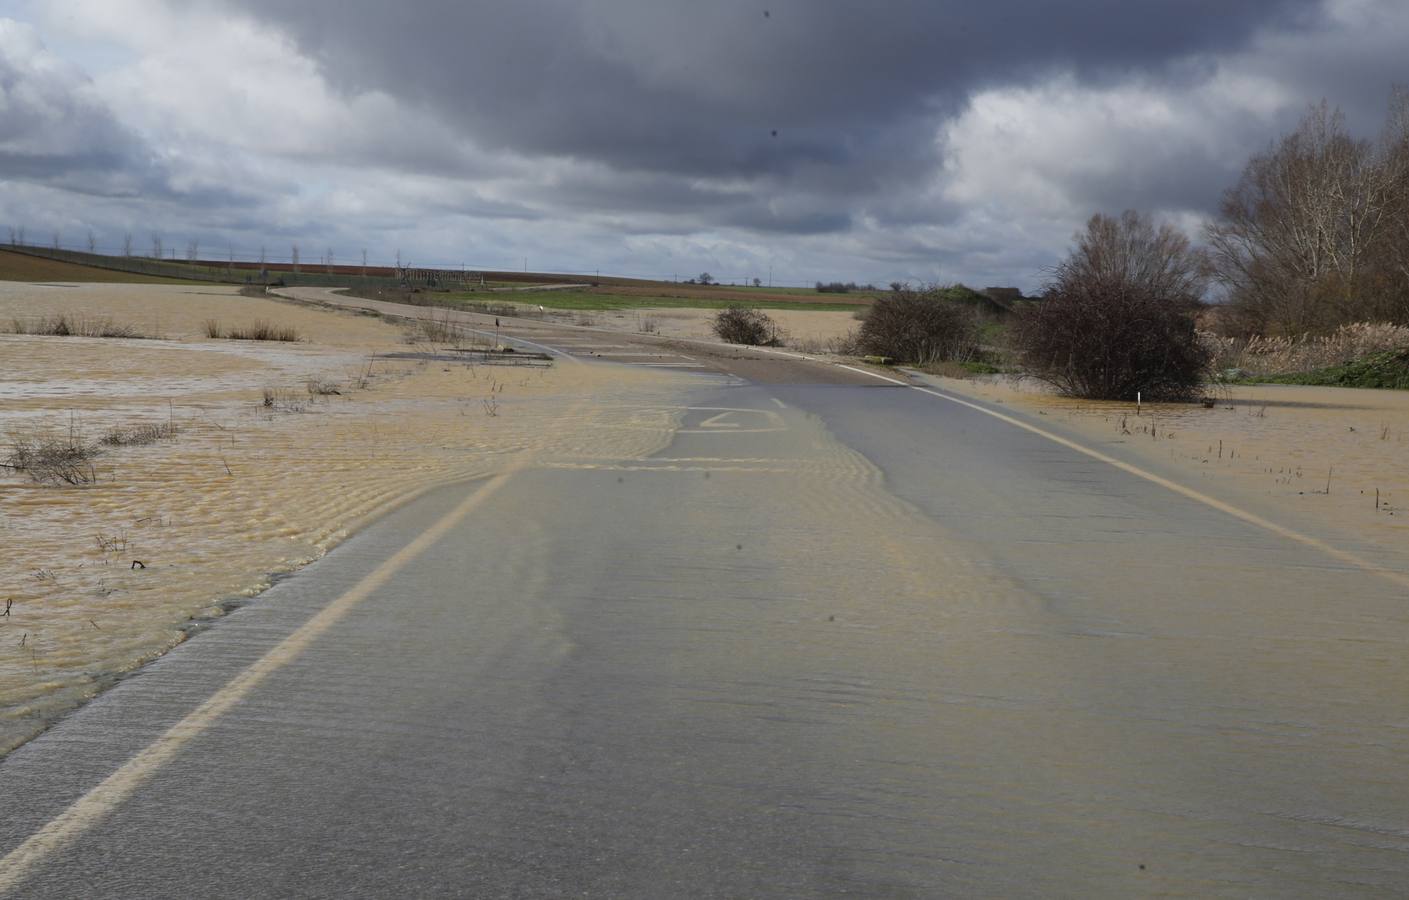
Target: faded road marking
[719, 424]
[88, 810]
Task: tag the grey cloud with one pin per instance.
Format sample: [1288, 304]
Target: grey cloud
[700, 88]
[579, 127]
[50, 133]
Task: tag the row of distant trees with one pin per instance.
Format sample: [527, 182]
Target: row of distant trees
[159, 249]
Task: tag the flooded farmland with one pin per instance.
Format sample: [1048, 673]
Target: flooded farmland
[270, 454]
[1334, 461]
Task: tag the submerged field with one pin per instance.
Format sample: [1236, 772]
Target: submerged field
[216, 463]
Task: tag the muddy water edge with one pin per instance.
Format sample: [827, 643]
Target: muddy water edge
[267, 454]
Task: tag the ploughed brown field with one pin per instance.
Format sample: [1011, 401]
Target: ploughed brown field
[23, 267]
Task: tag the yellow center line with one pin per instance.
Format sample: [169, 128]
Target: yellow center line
[92, 807]
[1345, 556]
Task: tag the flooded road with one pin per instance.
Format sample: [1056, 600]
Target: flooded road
[826, 639]
[273, 453]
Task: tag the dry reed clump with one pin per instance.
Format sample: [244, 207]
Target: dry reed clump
[842, 345]
[74, 325]
[442, 330]
[319, 387]
[279, 400]
[53, 460]
[138, 435]
[259, 330]
[1286, 356]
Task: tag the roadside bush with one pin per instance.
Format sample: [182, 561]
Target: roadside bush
[1119, 316]
[739, 325]
[1389, 369]
[919, 328]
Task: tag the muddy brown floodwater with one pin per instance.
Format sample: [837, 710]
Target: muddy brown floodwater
[1274, 447]
[99, 578]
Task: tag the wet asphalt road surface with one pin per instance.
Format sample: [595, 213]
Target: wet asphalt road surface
[837, 638]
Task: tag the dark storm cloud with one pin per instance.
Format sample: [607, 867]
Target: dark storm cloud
[700, 88]
[934, 138]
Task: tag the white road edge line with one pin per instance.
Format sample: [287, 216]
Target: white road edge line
[518, 340]
[1345, 556]
[90, 809]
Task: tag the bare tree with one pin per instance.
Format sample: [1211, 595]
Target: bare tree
[21, 233]
[56, 238]
[1117, 318]
[398, 259]
[294, 259]
[156, 245]
[193, 251]
[92, 241]
[364, 262]
[13, 232]
[1314, 234]
[127, 243]
[328, 264]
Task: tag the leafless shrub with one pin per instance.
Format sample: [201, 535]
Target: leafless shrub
[138, 435]
[649, 324]
[1118, 316]
[919, 328]
[213, 329]
[53, 460]
[740, 325]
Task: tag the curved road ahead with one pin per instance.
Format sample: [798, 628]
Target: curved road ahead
[840, 637]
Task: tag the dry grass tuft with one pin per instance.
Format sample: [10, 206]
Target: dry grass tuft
[138, 435]
[259, 330]
[74, 325]
[442, 330]
[318, 387]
